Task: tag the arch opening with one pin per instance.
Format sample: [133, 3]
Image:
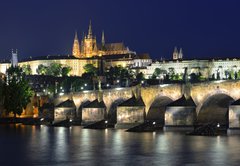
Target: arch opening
[157, 110]
[215, 110]
[79, 110]
[112, 114]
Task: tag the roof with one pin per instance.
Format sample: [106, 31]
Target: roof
[210, 59]
[144, 56]
[119, 56]
[68, 103]
[183, 102]
[114, 46]
[237, 102]
[95, 104]
[49, 57]
[5, 61]
[133, 101]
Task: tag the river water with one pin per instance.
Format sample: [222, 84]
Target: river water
[42, 145]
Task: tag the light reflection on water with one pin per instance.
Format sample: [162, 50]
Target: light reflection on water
[31, 145]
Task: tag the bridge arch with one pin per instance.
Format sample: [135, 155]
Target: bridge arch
[80, 108]
[214, 108]
[112, 113]
[157, 108]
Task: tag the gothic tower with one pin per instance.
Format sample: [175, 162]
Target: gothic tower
[90, 44]
[175, 54]
[76, 47]
[180, 54]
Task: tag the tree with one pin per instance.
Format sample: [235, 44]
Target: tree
[140, 77]
[17, 92]
[157, 72]
[54, 69]
[41, 70]
[27, 69]
[66, 70]
[90, 69]
[171, 73]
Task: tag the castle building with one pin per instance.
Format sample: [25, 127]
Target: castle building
[89, 47]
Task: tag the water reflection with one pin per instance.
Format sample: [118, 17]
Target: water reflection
[76, 146]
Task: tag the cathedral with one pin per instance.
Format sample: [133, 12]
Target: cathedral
[89, 47]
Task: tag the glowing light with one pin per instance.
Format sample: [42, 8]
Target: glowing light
[219, 81]
[81, 88]
[106, 121]
[85, 84]
[154, 123]
[61, 94]
[42, 119]
[164, 85]
[218, 125]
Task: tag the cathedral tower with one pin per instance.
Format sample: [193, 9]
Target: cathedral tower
[90, 44]
[76, 47]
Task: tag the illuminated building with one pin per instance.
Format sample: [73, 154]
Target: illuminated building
[207, 68]
[89, 47]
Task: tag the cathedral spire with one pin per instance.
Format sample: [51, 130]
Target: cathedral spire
[90, 30]
[103, 38]
[76, 47]
[76, 36]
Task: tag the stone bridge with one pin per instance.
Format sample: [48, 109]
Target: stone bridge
[211, 98]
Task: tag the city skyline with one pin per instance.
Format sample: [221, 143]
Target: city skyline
[203, 29]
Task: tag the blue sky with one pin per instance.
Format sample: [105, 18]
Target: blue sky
[203, 28]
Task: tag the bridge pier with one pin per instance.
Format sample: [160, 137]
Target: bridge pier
[131, 113]
[180, 114]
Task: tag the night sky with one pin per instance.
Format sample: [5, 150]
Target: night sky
[203, 28]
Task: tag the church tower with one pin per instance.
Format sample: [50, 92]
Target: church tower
[175, 54]
[180, 54]
[14, 60]
[76, 47]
